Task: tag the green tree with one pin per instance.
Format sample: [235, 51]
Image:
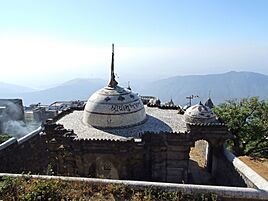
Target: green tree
[247, 120]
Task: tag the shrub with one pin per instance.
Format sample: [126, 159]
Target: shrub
[43, 190]
[28, 189]
[4, 137]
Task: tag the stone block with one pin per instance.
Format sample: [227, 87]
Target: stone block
[178, 148]
[159, 166]
[177, 155]
[175, 172]
[177, 179]
[177, 163]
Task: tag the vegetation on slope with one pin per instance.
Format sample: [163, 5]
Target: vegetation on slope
[247, 120]
[4, 137]
[26, 188]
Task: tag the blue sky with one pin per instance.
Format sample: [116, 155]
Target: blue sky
[63, 39]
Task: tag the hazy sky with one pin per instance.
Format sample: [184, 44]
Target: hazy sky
[48, 42]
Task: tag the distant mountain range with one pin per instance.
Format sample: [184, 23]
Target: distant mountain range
[219, 86]
[77, 89]
[7, 90]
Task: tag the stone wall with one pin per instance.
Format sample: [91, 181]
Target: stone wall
[249, 176]
[231, 171]
[226, 174]
[168, 155]
[155, 157]
[28, 154]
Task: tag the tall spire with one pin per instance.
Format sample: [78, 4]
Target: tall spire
[113, 83]
[128, 86]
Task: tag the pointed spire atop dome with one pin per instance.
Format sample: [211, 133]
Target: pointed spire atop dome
[128, 86]
[113, 83]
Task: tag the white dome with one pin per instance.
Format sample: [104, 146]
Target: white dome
[113, 107]
[199, 113]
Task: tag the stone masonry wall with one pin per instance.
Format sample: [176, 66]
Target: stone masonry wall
[25, 156]
[168, 155]
[226, 174]
[157, 157]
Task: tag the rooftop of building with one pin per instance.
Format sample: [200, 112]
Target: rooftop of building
[158, 120]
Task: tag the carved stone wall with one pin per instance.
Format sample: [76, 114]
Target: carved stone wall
[157, 157]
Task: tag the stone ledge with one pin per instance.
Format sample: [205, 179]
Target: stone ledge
[29, 136]
[8, 143]
[249, 174]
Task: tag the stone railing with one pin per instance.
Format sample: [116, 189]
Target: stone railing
[8, 143]
[30, 135]
[25, 138]
[251, 178]
[25, 154]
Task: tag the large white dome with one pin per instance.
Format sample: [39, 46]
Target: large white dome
[113, 107]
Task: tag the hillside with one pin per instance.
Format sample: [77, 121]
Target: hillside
[77, 89]
[9, 90]
[220, 86]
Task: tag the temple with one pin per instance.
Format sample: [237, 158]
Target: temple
[115, 135]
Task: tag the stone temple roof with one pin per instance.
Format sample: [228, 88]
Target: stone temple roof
[157, 120]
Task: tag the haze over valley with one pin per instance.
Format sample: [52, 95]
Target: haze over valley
[219, 86]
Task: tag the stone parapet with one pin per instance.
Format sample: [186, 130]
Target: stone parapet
[251, 178]
[8, 143]
[28, 154]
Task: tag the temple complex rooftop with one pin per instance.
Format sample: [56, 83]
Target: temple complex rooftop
[158, 120]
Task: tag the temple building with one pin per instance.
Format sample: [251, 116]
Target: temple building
[116, 136]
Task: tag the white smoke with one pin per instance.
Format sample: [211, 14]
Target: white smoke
[18, 128]
[13, 121]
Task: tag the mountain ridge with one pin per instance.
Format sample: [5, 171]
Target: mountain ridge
[8, 89]
[220, 87]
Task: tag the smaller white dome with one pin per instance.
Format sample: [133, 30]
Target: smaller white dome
[199, 113]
